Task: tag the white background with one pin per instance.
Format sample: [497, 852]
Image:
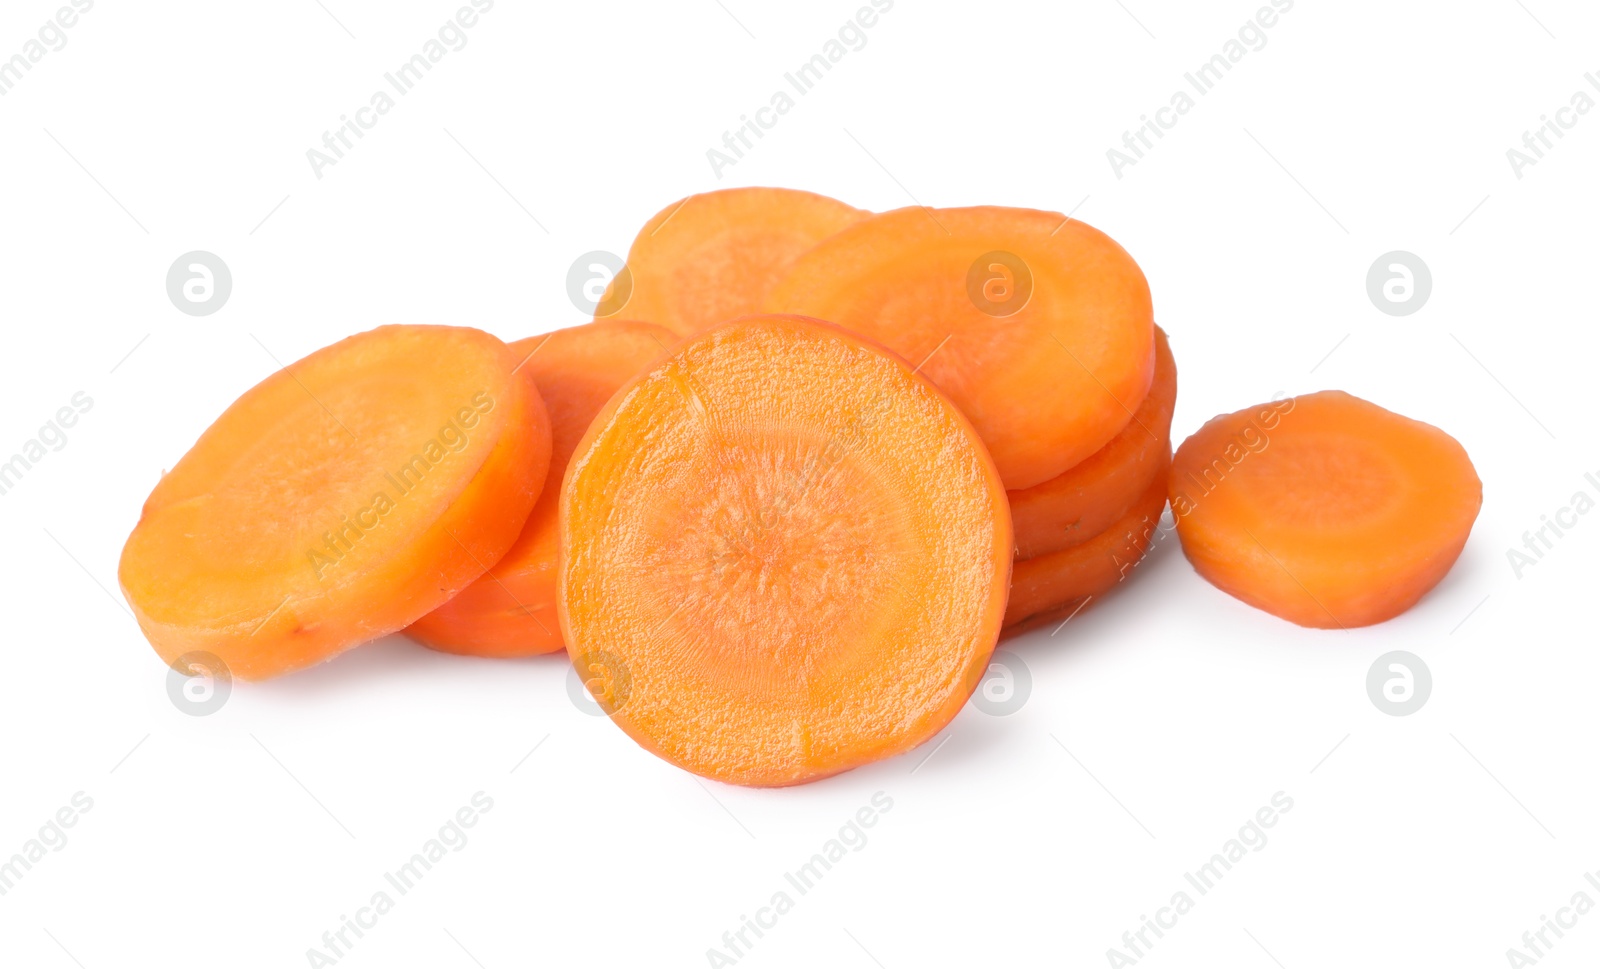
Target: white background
[1362, 127]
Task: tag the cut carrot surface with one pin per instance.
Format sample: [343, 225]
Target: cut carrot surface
[784, 554]
[1324, 509]
[1046, 585]
[338, 500]
[1039, 327]
[1074, 507]
[709, 258]
[511, 611]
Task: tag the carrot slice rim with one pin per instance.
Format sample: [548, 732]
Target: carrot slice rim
[1042, 587]
[1074, 507]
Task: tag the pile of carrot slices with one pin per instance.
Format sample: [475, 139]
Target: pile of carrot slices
[781, 499]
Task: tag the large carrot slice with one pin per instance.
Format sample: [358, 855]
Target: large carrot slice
[1074, 507]
[1039, 327]
[784, 554]
[1042, 588]
[709, 258]
[1324, 509]
[511, 611]
[339, 500]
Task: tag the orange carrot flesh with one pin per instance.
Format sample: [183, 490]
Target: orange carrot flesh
[1075, 507]
[784, 554]
[1324, 509]
[338, 500]
[1039, 327]
[1045, 586]
[511, 611]
[709, 258]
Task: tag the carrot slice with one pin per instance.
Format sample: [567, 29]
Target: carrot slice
[1037, 326]
[1041, 588]
[511, 611]
[784, 554]
[709, 258]
[1324, 509]
[339, 500]
[1074, 507]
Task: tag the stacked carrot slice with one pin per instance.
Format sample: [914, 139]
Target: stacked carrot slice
[781, 499]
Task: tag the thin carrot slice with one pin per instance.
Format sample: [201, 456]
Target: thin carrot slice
[339, 500]
[784, 554]
[1074, 507]
[511, 611]
[1324, 509]
[709, 258]
[1044, 586]
[1039, 327]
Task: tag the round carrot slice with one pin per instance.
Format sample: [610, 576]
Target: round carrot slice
[1074, 507]
[339, 500]
[1324, 509]
[1037, 326]
[511, 610]
[1042, 587]
[709, 258]
[784, 554]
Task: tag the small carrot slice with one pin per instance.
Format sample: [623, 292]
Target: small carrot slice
[1324, 509]
[339, 500]
[1074, 507]
[711, 257]
[1039, 327]
[1041, 588]
[784, 554]
[511, 610]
